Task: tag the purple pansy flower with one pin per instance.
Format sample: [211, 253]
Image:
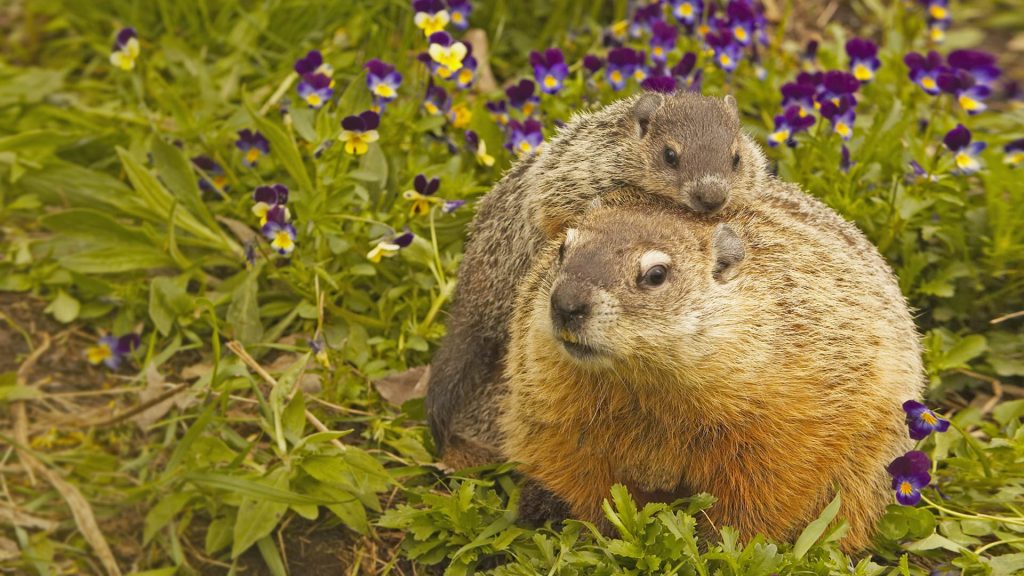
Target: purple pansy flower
[743, 21]
[212, 177]
[835, 85]
[965, 152]
[810, 53]
[267, 198]
[622, 63]
[864, 60]
[279, 231]
[524, 138]
[644, 18]
[111, 350]
[981, 65]
[1014, 152]
[909, 475]
[478, 148]
[844, 161]
[253, 145]
[939, 19]
[663, 41]
[310, 63]
[522, 96]
[499, 111]
[925, 70]
[919, 173]
[383, 80]
[921, 421]
[841, 113]
[466, 75]
[316, 89]
[682, 69]
[797, 94]
[390, 246]
[687, 12]
[727, 52]
[359, 131]
[430, 16]
[421, 195]
[788, 124]
[436, 102]
[459, 11]
[592, 64]
[969, 94]
[126, 49]
[549, 69]
[447, 52]
[450, 206]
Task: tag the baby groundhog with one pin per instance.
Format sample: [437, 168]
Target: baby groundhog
[684, 147]
[760, 356]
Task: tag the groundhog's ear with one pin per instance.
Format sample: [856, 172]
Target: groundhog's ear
[729, 252]
[644, 109]
[730, 101]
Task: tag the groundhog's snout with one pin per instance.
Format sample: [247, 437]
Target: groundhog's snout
[708, 194]
[571, 303]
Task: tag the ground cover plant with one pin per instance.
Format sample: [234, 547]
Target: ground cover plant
[226, 226]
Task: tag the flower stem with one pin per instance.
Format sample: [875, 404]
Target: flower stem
[1015, 521]
[976, 446]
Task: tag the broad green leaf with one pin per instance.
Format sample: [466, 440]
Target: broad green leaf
[283, 148]
[92, 226]
[257, 516]
[243, 315]
[177, 173]
[64, 307]
[168, 300]
[815, 529]
[162, 513]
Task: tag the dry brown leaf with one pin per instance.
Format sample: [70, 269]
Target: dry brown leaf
[156, 385]
[399, 388]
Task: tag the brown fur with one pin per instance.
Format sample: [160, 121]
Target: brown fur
[769, 389]
[619, 145]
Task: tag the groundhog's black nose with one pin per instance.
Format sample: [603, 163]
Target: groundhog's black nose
[709, 195]
[570, 306]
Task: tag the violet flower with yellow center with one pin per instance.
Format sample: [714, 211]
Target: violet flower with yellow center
[789, 124]
[663, 41]
[499, 112]
[742, 21]
[211, 174]
[687, 12]
[1014, 152]
[909, 475]
[315, 89]
[524, 138]
[447, 52]
[266, 198]
[253, 145]
[383, 80]
[459, 11]
[727, 53]
[436, 102]
[359, 131]
[478, 148]
[644, 18]
[465, 77]
[111, 351]
[279, 231]
[389, 246]
[800, 95]
[965, 152]
[422, 195]
[622, 64]
[864, 60]
[925, 70]
[549, 69]
[921, 421]
[522, 96]
[841, 114]
[430, 16]
[126, 49]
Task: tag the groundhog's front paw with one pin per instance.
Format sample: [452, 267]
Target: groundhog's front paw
[538, 505]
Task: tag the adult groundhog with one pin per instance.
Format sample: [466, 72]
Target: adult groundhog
[684, 147]
[762, 356]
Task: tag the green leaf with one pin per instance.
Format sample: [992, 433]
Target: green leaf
[815, 529]
[293, 419]
[218, 534]
[967, 349]
[244, 311]
[177, 173]
[162, 513]
[64, 307]
[257, 517]
[92, 226]
[168, 300]
[283, 147]
[117, 260]
[272, 556]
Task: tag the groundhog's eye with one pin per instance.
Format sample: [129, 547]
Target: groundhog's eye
[654, 276]
[671, 158]
[735, 160]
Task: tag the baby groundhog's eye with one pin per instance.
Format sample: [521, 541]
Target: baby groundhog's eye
[671, 158]
[654, 276]
[735, 160]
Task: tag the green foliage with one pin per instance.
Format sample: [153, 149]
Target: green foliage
[103, 217]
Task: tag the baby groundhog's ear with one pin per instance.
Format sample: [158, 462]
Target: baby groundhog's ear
[734, 106]
[644, 109]
[728, 252]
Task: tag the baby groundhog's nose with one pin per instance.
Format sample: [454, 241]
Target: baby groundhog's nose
[570, 306]
[708, 195]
